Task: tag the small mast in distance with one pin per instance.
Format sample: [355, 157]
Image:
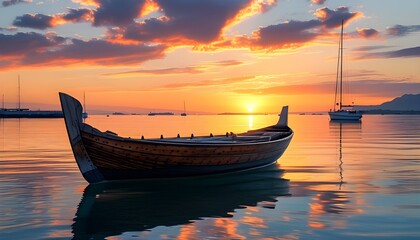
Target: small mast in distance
[84, 113]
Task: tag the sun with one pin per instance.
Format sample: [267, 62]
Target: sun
[250, 107]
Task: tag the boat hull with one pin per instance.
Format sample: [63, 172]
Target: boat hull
[345, 116]
[121, 159]
[104, 156]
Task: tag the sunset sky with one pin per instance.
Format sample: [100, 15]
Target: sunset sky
[217, 56]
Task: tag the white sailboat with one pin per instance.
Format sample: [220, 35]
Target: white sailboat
[344, 112]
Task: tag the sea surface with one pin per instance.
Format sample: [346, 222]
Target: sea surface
[335, 181]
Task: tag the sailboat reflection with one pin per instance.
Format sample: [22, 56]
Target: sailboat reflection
[113, 208]
[335, 201]
[350, 129]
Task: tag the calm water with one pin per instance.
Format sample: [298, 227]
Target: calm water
[335, 181]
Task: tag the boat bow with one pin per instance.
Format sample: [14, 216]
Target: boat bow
[73, 118]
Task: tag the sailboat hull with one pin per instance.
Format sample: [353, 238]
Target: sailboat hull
[345, 116]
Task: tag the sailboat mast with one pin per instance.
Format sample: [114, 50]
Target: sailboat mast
[341, 65]
[18, 91]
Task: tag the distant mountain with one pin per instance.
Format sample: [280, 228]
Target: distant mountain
[407, 102]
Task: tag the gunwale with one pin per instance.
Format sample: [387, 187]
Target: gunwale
[194, 142]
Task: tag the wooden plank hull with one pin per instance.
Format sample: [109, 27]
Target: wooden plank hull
[102, 156]
[126, 159]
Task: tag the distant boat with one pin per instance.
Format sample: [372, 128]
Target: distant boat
[185, 112]
[104, 156]
[344, 112]
[84, 113]
[160, 113]
[25, 112]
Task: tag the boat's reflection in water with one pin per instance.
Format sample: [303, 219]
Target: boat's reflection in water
[112, 208]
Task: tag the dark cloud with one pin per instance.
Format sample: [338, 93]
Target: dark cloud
[8, 3]
[294, 34]
[187, 21]
[76, 15]
[407, 52]
[400, 30]
[285, 35]
[372, 88]
[117, 12]
[22, 43]
[36, 21]
[42, 22]
[332, 18]
[50, 49]
[367, 33]
[96, 52]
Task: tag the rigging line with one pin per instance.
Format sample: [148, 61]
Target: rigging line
[341, 63]
[336, 78]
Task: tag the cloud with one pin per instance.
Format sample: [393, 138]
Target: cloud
[76, 15]
[371, 88]
[32, 49]
[22, 43]
[36, 21]
[8, 3]
[42, 22]
[318, 2]
[367, 33]
[117, 12]
[9, 29]
[400, 30]
[180, 70]
[332, 18]
[96, 52]
[286, 35]
[191, 22]
[162, 71]
[293, 34]
[406, 52]
[370, 48]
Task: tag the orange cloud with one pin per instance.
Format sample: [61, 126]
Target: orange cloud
[254, 7]
[180, 70]
[148, 7]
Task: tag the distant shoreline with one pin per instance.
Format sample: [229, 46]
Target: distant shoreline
[390, 112]
[229, 113]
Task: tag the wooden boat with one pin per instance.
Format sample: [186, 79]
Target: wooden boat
[103, 156]
[344, 112]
